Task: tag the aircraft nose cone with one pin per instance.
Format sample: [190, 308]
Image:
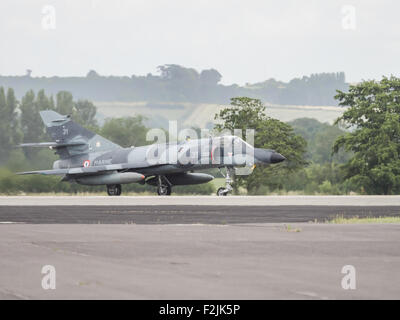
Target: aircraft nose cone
[277, 157]
[268, 156]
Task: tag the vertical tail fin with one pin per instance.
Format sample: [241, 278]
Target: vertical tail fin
[65, 131]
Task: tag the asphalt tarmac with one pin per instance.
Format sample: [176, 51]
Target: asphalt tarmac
[197, 247]
[191, 210]
[240, 261]
[167, 214]
[200, 201]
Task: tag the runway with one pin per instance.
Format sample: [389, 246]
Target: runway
[197, 247]
[191, 210]
[167, 214]
[241, 261]
[200, 201]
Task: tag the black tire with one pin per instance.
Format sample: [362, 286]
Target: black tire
[164, 190]
[221, 192]
[118, 190]
[114, 190]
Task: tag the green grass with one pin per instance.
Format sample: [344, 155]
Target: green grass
[340, 219]
[289, 228]
[218, 182]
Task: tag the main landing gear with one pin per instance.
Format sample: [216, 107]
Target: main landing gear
[114, 189]
[223, 191]
[163, 186]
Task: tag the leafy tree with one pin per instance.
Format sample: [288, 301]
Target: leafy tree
[12, 116]
[9, 131]
[210, 77]
[85, 113]
[246, 113]
[126, 132]
[43, 102]
[374, 118]
[31, 124]
[4, 129]
[92, 74]
[180, 82]
[52, 105]
[320, 138]
[177, 83]
[65, 104]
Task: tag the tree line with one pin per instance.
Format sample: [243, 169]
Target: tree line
[364, 158]
[175, 83]
[20, 122]
[359, 153]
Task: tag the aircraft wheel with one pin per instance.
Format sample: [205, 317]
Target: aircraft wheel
[164, 190]
[119, 189]
[222, 192]
[114, 190]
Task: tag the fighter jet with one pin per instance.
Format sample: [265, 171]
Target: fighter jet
[89, 159]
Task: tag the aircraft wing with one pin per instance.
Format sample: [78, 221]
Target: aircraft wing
[46, 172]
[88, 170]
[51, 144]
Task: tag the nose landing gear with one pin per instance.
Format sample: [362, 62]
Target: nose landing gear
[223, 191]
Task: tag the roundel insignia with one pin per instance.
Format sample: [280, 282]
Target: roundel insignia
[86, 163]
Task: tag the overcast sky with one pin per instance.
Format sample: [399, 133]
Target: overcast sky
[246, 41]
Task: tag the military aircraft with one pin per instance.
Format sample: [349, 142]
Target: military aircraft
[89, 159]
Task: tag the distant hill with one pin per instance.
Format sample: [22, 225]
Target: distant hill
[176, 84]
[202, 114]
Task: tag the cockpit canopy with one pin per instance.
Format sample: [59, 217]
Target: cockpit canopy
[234, 141]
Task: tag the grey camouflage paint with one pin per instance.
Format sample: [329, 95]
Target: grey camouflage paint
[84, 153]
